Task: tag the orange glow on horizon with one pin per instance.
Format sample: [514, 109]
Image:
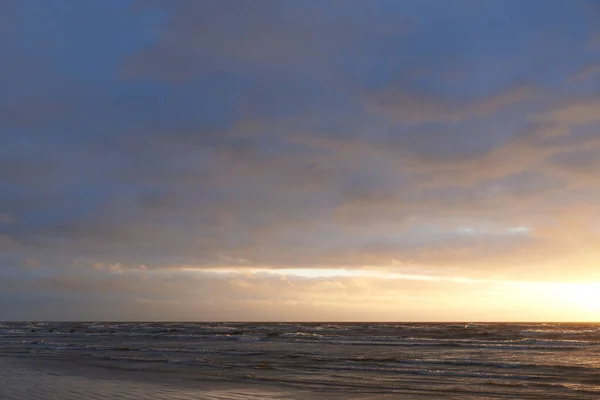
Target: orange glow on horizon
[417, 296]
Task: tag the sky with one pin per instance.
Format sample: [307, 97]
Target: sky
[284, 160]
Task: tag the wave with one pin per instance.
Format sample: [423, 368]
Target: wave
[339, 353]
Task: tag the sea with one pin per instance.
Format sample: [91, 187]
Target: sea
[330, 360]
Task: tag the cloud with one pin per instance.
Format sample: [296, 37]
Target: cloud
[594, 43]
[414, 108]
[207, 296]
[265, 34]
[578, 112]
[585, 73]
[6, 218]
[582, 161]
[291, 135]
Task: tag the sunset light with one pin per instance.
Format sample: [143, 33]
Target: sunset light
[299, 199]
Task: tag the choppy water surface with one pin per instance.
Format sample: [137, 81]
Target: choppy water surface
[379, 360]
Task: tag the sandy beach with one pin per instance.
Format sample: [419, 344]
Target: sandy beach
[48, 380]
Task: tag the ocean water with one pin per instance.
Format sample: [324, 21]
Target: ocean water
[387, 360]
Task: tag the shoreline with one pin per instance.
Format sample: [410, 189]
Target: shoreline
[40, 379]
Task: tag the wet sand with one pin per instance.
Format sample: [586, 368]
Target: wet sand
[53, 380]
